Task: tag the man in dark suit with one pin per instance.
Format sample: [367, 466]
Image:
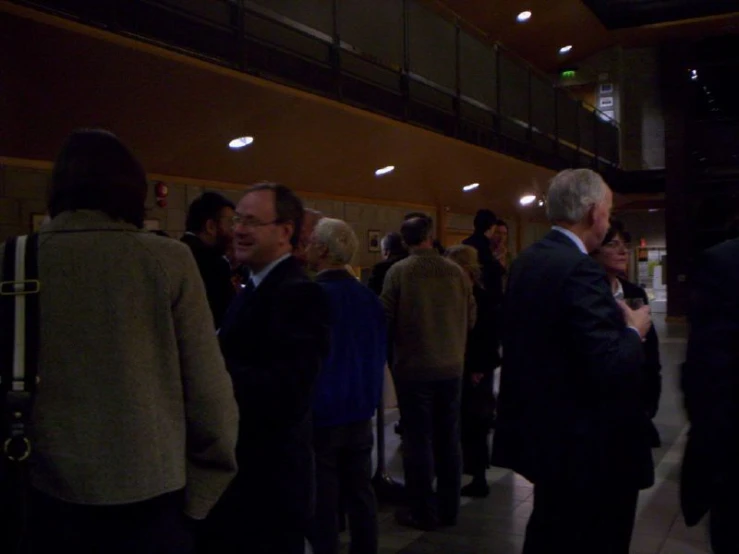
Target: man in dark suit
[710, 383]
[273, 338]
[567, 416]
[209, 234]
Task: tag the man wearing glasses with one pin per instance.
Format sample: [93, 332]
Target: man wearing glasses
[274, 337]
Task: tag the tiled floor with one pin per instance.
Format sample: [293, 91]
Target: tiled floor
[496, 525]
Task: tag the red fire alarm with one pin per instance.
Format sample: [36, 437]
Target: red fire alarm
[161, 190]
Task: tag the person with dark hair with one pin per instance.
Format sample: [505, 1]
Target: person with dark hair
[134, 420]
[485, 223]
[95, 171]
[436, 244]
[209, 235]
[274, 337]
[393, 250]
[430, 309]
[613, 255]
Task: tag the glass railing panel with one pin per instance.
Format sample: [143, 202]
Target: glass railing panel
[183, 29]
[514, 86]
[316, 14]
[586, 122]
[432, 47]
[373, 30]
[284, 35]
[219, 12]
[543, 106]
[477, 71]
[567, 109]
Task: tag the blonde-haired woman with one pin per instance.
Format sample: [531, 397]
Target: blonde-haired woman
[481, 359]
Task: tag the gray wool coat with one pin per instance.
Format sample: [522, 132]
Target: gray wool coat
[134, 400]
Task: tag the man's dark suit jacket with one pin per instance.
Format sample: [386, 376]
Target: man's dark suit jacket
[274, 339]
[710, 381]
[569, 404]
[216, 274]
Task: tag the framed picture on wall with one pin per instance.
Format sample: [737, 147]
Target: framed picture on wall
[606, 88]
[36, 221]
[373, 240]
[606, 102]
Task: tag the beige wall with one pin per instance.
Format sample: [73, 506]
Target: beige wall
[23, 193]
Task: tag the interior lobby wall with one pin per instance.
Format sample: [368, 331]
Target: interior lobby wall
[23, 195]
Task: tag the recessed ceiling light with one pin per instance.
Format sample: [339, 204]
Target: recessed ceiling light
[523, 16]
[527, 199]
[240, 142]
[565, 49]
[384, 170]
[471, 186]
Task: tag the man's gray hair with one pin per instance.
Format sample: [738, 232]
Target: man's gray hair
[572, 193]
[339, 239]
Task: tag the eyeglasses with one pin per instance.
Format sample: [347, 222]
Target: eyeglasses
[617, 245]
[250, 222]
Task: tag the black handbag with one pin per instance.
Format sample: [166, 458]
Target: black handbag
[19, 342]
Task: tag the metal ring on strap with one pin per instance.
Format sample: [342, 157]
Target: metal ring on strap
[24, 455]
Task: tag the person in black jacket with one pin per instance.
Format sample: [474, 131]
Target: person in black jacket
[209, 234]
[274, 337]
[573, 358]
[613, 256]
[492, 271]
[393, 250]
[710, 382]
[481, 359]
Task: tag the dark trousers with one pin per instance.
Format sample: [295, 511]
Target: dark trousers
[344, 467]
[581, 519]
[155, 526]
[478, 408]
[431, 446]
[723, 519]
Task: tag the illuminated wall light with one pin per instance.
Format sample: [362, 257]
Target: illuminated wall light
[523, 16]
[693, 74]
[471, 186]
[527, 199]
[384, 170]
[565, 49]
[240, 142]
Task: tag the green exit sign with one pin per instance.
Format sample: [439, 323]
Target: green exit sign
[569, 74]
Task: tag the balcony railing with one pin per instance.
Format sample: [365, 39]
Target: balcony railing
[390, 56]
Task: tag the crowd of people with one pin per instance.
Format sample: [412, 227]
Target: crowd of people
[215, 394]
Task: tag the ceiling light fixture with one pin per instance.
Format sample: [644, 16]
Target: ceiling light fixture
[523, 16]
[384, 170]
[565, 49]
[240, 142]
[471, 186]
[693, 74]
[527, 199]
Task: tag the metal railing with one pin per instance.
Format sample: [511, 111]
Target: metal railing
[390, 56]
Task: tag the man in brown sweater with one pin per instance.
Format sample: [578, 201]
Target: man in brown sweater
[430, 308]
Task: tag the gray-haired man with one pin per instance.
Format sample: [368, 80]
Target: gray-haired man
[568, 415]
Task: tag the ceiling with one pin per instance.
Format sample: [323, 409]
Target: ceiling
[557, 23]
[179, 113]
